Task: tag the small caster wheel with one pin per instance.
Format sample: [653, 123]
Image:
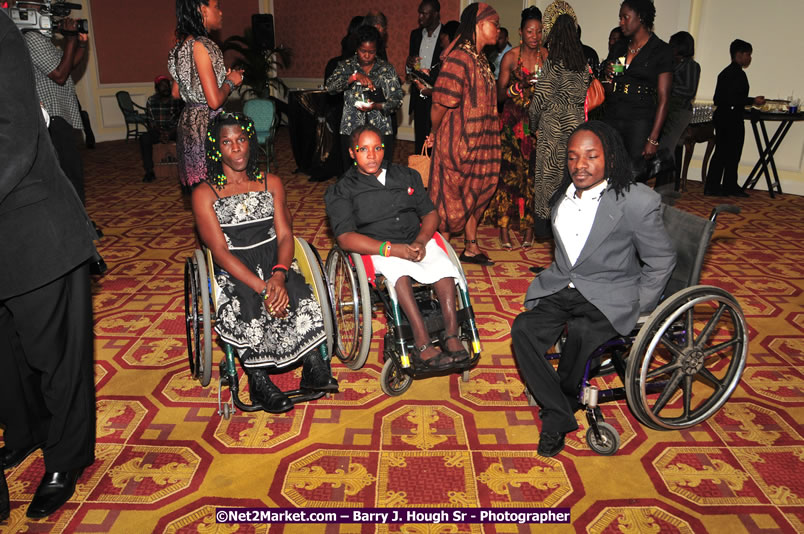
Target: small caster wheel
[609, 441]
[465, 376]
[226, 412]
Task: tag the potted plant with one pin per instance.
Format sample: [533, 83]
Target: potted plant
[260, 65]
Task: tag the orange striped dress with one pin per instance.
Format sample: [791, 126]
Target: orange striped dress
[465, 166]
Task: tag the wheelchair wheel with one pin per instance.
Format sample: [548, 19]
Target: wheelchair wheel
[393, 380]
[351, 302]
[687, 359]
[608, 443]
[197, 317]
[320, 288]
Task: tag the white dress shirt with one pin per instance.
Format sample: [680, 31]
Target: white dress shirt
[427, 48]
[575, 217]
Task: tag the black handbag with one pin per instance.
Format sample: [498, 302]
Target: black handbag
[663, 162]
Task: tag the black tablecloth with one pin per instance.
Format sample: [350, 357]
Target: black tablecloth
[314, 136]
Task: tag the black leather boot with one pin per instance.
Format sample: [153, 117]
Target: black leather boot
[317, 374]
[265, 392]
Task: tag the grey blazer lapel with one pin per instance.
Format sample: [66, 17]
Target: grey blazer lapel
[561, 252]
[608, 215]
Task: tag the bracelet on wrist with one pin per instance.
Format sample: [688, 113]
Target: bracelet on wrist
[280, 268]
[264, 292]
[652, 141]
[231, 85]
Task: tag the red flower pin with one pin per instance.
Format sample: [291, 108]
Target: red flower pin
[410, 191]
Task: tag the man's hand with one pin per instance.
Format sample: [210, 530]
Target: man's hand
[69, 27]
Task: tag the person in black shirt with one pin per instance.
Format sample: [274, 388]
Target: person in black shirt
[731, 96]
[636, 101]
[382, 209]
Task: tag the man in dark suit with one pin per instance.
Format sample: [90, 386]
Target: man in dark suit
[613, 259]
[424, 58]
[731, 96]
[47, 399]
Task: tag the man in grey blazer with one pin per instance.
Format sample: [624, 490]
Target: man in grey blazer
[613, 259]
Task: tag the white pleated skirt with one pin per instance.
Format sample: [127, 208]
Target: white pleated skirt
[434, 266]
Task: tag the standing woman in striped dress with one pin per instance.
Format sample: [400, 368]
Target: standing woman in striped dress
[201, 80]
[555, 110]
[466, 131]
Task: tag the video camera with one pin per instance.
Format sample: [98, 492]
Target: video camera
[46, 18]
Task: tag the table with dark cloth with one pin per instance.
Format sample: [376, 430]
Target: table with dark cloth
[315, 145]
[767, 147]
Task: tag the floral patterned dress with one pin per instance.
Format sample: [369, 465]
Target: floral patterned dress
[262, 340]
[512, 205]
[194, 120]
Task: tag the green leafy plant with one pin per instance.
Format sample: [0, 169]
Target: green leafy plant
[260, 66]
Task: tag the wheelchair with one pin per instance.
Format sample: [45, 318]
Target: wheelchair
[683, 361]
[356, 291]
[200, 303]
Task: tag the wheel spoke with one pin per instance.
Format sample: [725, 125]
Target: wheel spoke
[689, 341]
[667, 392]
[707, 374]
[672, 346]
[720, 346]
[686, 386]
[664, 369]
[710, 326]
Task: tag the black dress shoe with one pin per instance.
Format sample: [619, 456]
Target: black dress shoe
[317, 374]
[5, 506]
[265, 392]
[550, 443]
[13, 457]
[54, 490]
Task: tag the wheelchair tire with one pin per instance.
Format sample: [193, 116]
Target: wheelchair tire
[609, 442]
[226, 412]
[198, 318]
[393, 380]
[323, 290]
[694, 375]
[351, 302]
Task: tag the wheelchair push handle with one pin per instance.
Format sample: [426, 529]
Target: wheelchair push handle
[728, 208]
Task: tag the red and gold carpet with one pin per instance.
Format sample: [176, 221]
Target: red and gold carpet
[166, 460]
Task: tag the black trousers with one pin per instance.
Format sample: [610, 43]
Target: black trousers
[729, 140]
[65, 141]
[422, 125]
[147, 142]
[634, 133]
[46, 361]
[388, 140]
[536, 330]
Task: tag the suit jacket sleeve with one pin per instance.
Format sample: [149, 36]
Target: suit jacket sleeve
[655, 251]
[18, 135]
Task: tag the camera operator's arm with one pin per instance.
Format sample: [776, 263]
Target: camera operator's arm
[72, 55]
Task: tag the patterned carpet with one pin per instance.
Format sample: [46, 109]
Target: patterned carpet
[165, 460]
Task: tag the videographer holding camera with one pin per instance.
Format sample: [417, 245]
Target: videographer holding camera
[54, 84]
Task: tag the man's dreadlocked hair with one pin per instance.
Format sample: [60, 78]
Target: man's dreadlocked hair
[215, 172]
[618, 165]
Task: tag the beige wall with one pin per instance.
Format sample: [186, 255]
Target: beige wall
[772, 27]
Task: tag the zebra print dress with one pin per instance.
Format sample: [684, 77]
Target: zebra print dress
[555, 110]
